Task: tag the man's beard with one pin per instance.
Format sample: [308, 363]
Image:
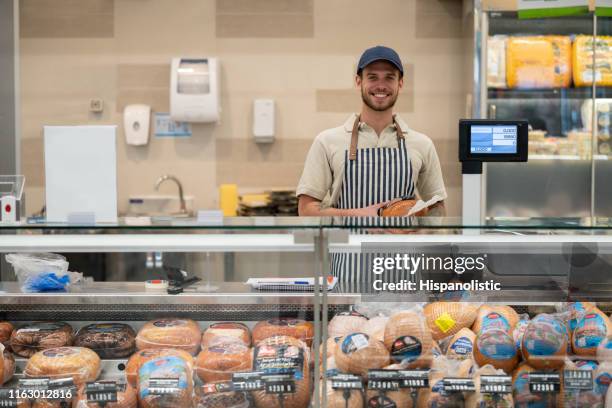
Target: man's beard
[366, 99]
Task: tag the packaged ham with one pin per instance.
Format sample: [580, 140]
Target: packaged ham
[345, 323]
[408, 339]
[220, 395]
[8, 366]
[576, 310]
[126, 397]
[495, 317]
[519, 332]
[139, 358]
[77, 362]
[584, 398]
[604, 350]
[523, 398]
[375, 327]
[590, 331]
[341, 398]
[357, 353]
[461, 346]
[387, 399]
[31, 338]
[223, 356]
[497, 348]
[283, 355]
[181, 334]
[435, 395]
[5, 333]
[168, 373]
[544, 343]
[445, 319]
[226, 329]
[485, 400]
[296, 328]
[109, 340]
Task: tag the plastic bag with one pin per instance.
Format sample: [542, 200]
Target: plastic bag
[40, 272]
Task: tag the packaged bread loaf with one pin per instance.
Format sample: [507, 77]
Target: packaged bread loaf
[545, 342]
[486, 400]
[345, 323]
[223, 357]
[590, 331]
[375, 327]
[497, 348]
[171, 368]
[523, 398]
[226, 329]
[8, 366]
[109, 340]
[283, 355]
[182, 334]
[77, 362]
[495, 317]
[296, 328]
[582, 54]
[357, 353]
[387, 399]
[408, 340]
[6, 329]
[31, 338]
[447, 318]
[220, 395]
[539, 62]
[126, 397]
[461, 346]
[341, 398]
[139, 358]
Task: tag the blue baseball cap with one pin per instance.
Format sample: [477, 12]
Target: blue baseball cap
[380, 53]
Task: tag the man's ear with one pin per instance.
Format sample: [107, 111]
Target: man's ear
[401, 82]
[358, 80]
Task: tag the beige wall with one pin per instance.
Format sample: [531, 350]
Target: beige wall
[301, 53]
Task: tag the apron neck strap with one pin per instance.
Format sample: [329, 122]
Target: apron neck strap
[355, 136]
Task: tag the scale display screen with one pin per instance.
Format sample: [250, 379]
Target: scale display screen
[496, 139]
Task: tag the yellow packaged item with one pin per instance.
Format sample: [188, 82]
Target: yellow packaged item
[583, 60]
[538, 62]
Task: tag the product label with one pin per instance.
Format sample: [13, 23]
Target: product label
[354, 342]
[247, 381]
[544, 383]
[577, 380]
[462, 346]
[279, 359]
[459, 385]
[496, 345]
[101, 392]
[590, 331]
[495, 384]
[284, 322]
[381, 402]
[228, 348]
[36, 327]
[7, 398]
[406, 349]
[279, 384]
[445, 322]
[602, 382]
[164, 385]
[383, 380]
[215, 388]
[346, 382]
[169, 323]
[33, 383]
[60, 352]
[544, 336]
[495, 321]
[105, 328]
[228, 325]
[159, 369]
[414, 378]
[519, 332]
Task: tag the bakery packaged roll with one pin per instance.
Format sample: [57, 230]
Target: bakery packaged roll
[139, 358]
[497, 348]
[34, 337]
[445, 319]
[461, 346]
[108, 340]
[388, 399]
[6, 329]
[181, 334]
[79, 363]
[171, 368]
[340, 398]
[544, 343]
[523, 398]
[495, 317]
[357, 353]
[485, 400]
[223, 357]
[296, 328]
[8, 366]
[226, 329]
[126, 397]
[590, 331]
[345, 323]
[220, 395]
[408, 340]
[283, 355]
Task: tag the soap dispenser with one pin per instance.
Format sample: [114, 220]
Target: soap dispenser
[136, 120]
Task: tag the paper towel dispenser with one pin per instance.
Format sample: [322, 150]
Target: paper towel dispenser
[194, 90]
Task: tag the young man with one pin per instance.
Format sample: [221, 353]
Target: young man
[354, 169]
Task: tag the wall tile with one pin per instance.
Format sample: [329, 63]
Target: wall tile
[264, 6]
[33, 163]
[143, 83]
[439, 19]
[157, 99]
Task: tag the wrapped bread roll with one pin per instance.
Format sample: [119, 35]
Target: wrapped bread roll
[296, 328]
[357, 353]
[5, 332]
[461, 346]
[590, 331]
[109, 340]
[77, 362]
[8, 366]
[31, 338]
[224, 356]
[220, 395]
[375, 327]
[139, 358]
[479, 400]
[545, 342]
[340, 399]
[497, 348]
[182, 334]
[226, 329]
[447, 318]
[283, 355]
[126, 398]
[165, 367]
[345, 323]
[523, 398]
[409, 340]
[388, 399]
[495, 317]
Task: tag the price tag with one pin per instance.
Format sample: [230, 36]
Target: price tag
[414, 378]
[33, 383]
[495, 384]
[247, 381]
[101, 392]
[459, 385]
[578, 380]
[65, 386]
[162, 386]
[7, 398]
[544, 383]
[278, 384]
[346, 382]
[383, 380]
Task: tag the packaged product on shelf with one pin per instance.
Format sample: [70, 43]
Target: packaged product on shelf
[109, 340]
[436, 395]
[593, 398]
[345, 323]
[6, 329]
[478, 399]
[590, 331]
[77, 362]
[182, 334]
[139, 358]
[356, 353]
[495, 317]
[461, 345]
[408, 339]
[296, 328]
[40, 272]
[604, 350]
[31, 338]
[519, 332]
[220, 395]
[497, 348]
[8, 366]
[340, 398]
[387, 399]
[151, 384]
[582, 56]
[283, 355]
[330, 369]
[545, 342]
[126, 398]
[222, 357]
[445, 319]
[539, 62]
[523, 398]
[375, 327]
[496, 61]
[226, 329]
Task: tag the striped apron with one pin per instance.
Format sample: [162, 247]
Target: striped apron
[371, 176]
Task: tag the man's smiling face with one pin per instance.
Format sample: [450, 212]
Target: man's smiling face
[380, 84]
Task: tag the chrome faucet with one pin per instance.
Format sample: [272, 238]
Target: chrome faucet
[165, 177]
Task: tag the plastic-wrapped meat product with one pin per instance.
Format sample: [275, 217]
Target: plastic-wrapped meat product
[345, 323]
[9, 366]
[6, 329]
[357, 353]
[139, 358]
[221, 395]
[173, 369]
[447, 318]
[31, 338]
[109, 340]
[126, 398]
[408, 339]
[296, 328]
[224, 356]
[226, 329]
[182, 334]
[77, 362]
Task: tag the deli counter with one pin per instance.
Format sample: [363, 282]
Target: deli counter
[298, 312]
